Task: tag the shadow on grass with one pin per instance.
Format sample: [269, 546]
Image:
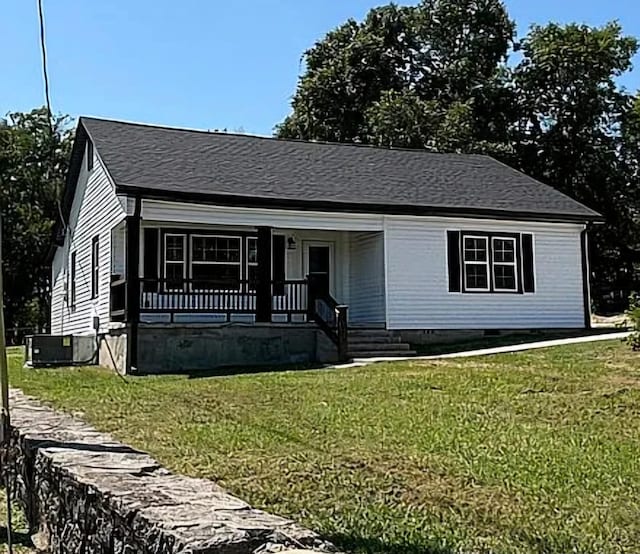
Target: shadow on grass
[371, 545]
[507, 340]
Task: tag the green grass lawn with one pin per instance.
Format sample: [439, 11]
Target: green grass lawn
[529, 452]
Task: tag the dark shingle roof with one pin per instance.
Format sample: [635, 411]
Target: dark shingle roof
[166, 161]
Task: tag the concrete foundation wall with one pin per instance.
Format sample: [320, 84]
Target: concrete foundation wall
[113, 351]
[449, 336]
[171, 348]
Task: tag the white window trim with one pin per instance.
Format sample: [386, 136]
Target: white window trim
[486, 264]
[514, 263]
[238, 263]
[174, 262]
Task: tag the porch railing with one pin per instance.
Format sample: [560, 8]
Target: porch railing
[304, 298]
[289, 297]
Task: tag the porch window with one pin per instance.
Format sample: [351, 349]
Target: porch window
[175, 260]
[476, 263]
[252, 262]
[215, 262]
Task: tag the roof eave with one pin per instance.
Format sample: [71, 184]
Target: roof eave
[345, 207]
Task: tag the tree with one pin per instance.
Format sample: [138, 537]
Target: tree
[33, 164]
[568, 134]
[424, 67]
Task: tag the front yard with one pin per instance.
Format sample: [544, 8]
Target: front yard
[532, 452]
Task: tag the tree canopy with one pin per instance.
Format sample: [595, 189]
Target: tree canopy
[437, 76]
[33, 163]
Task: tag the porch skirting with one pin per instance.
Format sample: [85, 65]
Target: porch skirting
[183, 347]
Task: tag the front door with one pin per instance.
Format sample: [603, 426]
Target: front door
[318, 266]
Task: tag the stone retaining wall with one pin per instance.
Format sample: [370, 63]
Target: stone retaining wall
[83, 492]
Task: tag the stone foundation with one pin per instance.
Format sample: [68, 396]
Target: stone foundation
[83, 492]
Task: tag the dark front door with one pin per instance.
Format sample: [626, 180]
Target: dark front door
[320, 269]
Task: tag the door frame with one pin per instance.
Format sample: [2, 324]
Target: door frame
[332, 259]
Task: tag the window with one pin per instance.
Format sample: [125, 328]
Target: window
[476, 263]
[72, 273]
[89, 155]
[504, 264]
[490, 262]
[175, 261]
[95, 267]
[252, 262]
[215, 262]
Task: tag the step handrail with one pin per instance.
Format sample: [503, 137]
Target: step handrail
[330, 316]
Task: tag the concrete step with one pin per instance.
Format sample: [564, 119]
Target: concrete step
[367, 346]
[382, 354]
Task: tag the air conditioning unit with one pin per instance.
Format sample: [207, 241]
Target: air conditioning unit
[60, 350]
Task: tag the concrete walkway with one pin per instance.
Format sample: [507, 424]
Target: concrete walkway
[358, 362]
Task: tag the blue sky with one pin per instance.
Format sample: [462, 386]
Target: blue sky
[202, 63]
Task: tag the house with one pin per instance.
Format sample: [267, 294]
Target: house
[187, 250]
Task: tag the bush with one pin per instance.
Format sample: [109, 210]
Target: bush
[633, 320]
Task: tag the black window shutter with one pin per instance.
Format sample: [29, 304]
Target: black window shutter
[150, 259]
[453, 249]
[279, 253]
[528, 273]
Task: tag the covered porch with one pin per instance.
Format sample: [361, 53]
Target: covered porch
[176, 273]
[216, 274]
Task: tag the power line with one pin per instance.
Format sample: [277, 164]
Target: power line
[47, 96]
[45, 74]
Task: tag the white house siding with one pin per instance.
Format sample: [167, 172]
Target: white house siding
[184, 213]
[95, 211]
[417, 278]
[366, 278]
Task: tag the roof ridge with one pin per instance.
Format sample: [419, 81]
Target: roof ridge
[281, 139]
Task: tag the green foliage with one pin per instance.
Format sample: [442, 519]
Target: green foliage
[571, 113]
[403, 73]
[33, 165]
[534, 452]
[434, 76]
[633, 318]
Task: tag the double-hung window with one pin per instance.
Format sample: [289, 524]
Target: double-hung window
[175, 260]
[72, 285]
[490, 262]
[95, 267]
[215, 262]
[476, 263]
[252, 262]
[505, 271]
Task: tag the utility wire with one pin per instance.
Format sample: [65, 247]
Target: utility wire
[47, 97]
[45, 74]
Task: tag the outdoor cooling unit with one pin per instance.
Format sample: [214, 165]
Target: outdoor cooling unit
[60, 350]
